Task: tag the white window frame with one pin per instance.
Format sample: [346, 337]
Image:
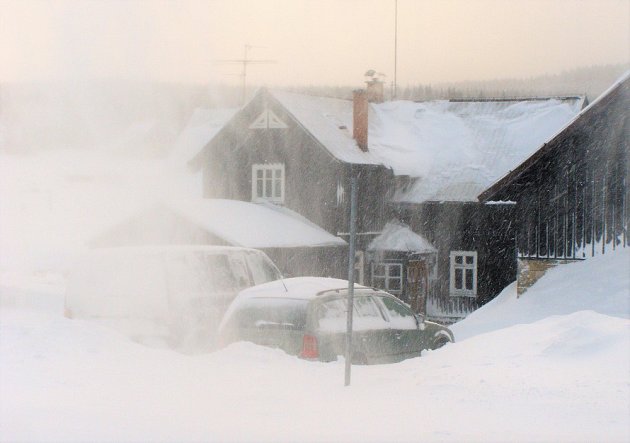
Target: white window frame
[272, 169]
[464, 266]
[387, 277]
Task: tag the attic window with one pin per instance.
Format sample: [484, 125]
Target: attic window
[268, 183]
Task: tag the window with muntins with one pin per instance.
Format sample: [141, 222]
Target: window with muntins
[268, 183]
[387, 276]
[464, 273]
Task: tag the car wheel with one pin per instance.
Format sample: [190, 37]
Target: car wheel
[440, 342]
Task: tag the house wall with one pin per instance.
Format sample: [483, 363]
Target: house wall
[317, 261]
[572, 202]
[311, 174]
[457, 226]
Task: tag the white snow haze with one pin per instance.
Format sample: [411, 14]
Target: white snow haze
[102, 106]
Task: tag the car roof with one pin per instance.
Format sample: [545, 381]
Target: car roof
[305, 288]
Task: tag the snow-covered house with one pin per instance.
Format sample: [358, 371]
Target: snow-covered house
[572, 194]
[422, 164]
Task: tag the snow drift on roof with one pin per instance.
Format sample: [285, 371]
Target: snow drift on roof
[398, 237]
[456, 149]
[254, 225]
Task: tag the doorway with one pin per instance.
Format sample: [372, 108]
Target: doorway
[418, 285]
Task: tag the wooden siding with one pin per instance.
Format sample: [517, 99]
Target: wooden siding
[455, 226]
[572, 202]
[311, 174]
[317, 261]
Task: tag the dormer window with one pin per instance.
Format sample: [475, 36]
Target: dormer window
[268, 183]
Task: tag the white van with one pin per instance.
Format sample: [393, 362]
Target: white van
[164, 294]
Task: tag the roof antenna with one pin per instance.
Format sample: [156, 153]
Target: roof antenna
[245, 61]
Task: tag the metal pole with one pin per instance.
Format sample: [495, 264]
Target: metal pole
[395, 46]
[350, 304]
[244, 92]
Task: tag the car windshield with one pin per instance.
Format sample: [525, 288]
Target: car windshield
[261, 267]
[271, 312]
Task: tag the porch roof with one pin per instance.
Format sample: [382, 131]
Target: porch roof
[398, 237]
[254, 225]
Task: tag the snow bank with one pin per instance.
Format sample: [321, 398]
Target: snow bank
[600, 284]
[564, 378]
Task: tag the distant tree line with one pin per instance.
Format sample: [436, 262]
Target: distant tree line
[591, 81]
[147, 117]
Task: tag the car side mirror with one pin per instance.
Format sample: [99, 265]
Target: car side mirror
[420, 320]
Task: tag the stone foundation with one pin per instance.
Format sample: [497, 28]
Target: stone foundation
[531, 269]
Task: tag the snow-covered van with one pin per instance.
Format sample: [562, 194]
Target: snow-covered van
[172, 294]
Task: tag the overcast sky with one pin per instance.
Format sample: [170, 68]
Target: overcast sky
[312, 41]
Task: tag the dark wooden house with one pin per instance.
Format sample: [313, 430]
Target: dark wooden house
[572, 195]
[280, 149]
[419, 165]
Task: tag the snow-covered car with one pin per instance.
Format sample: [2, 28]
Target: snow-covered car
[306, 316]
[178, 293]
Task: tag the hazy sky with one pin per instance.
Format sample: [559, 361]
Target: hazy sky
[313, 41]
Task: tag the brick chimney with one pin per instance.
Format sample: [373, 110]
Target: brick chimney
[360, 118]
[375, 90]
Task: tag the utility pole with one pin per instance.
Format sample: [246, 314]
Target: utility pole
[245, 61]
[351, 252]
[394, 92]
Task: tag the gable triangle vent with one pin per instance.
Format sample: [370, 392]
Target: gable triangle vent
[268, 120]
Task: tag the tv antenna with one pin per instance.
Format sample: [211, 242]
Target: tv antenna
[245, 61]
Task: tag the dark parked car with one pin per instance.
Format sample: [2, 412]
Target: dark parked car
[306, 316]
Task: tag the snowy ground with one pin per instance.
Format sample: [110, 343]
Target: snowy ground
[553, 365]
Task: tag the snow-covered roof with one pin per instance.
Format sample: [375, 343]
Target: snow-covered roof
[200, 129]
[548, 143]
[254, 225]
[455, 149]
[398, 237]
[329, 120]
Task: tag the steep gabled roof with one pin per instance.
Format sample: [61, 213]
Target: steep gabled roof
[621, 86]
[329, 121]
[453, 148]
[203, 125]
